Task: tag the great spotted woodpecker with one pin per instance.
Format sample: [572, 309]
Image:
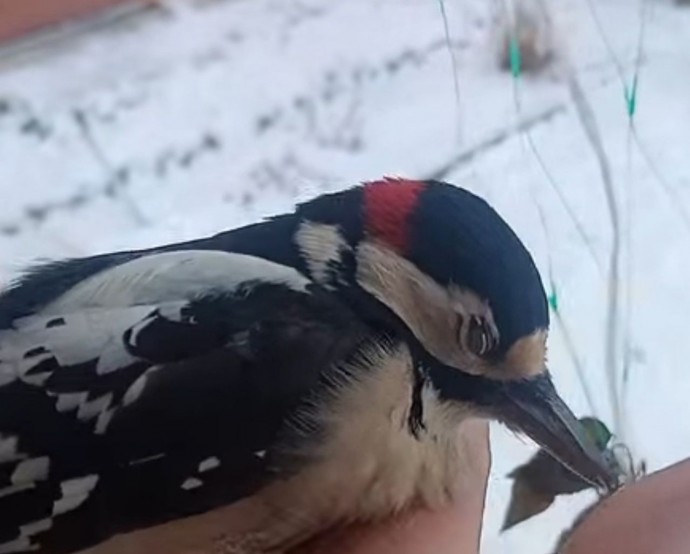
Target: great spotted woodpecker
[318, 364]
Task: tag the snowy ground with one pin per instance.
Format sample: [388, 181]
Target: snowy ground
[186, 124]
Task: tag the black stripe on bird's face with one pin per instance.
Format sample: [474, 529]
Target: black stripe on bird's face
[531, 406]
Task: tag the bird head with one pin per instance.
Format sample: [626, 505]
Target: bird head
[440, 263]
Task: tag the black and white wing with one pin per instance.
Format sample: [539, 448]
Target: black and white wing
[152, 390]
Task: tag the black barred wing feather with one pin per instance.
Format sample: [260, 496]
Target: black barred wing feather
[152, 391]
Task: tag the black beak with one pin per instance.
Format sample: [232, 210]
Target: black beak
[534, 407]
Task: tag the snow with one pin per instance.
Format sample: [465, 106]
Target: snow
[179, 125]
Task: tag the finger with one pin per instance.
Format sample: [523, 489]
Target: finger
[648, 516]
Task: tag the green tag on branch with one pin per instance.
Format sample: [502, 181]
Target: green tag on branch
[631, 97]
[553, 300]
[515, 57]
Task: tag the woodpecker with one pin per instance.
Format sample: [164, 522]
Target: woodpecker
[315, 368]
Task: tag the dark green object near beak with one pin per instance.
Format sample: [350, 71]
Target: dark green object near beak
[533, 407]
[537, 483]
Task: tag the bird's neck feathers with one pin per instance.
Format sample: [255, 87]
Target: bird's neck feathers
[364, 464]
[367, 442]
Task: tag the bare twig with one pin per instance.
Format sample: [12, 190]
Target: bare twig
[569, 343]
[591, 129]
[85, 130]
[454, 66]
[550, 179]
[496, 139]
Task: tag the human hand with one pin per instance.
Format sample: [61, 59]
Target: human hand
[649, 516]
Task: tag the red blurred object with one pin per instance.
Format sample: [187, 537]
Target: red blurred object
[22, 17]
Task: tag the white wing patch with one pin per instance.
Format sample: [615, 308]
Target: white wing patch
[70, 401]
[135, 390]
[74, 493]
[90, 409]
[114, 357]
[169, 276]
[191, 483]
[23, 543]
[8, 373]
[92, 354]
[94, 334]
[14, 489]
[37, 346]
[208, 464]
[31, 470]
[9, 449]
[103, 421]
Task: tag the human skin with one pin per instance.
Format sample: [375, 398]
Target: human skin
[648, 517]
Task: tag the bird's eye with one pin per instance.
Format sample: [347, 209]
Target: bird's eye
[480, 340]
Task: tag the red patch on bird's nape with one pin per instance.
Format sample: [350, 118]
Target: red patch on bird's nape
[388, 204]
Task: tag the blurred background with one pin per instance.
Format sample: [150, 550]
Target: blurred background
[128, 124]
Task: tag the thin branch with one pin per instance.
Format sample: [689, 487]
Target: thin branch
[85, 130]
[494, 140]
[550, 179]
[591, 129]
[454, 65]
[569, 343]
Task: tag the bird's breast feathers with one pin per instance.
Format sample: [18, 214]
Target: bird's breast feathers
[366, 466]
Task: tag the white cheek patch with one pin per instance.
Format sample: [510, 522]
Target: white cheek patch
[431, 311]
[322, 247]
[421, 303]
